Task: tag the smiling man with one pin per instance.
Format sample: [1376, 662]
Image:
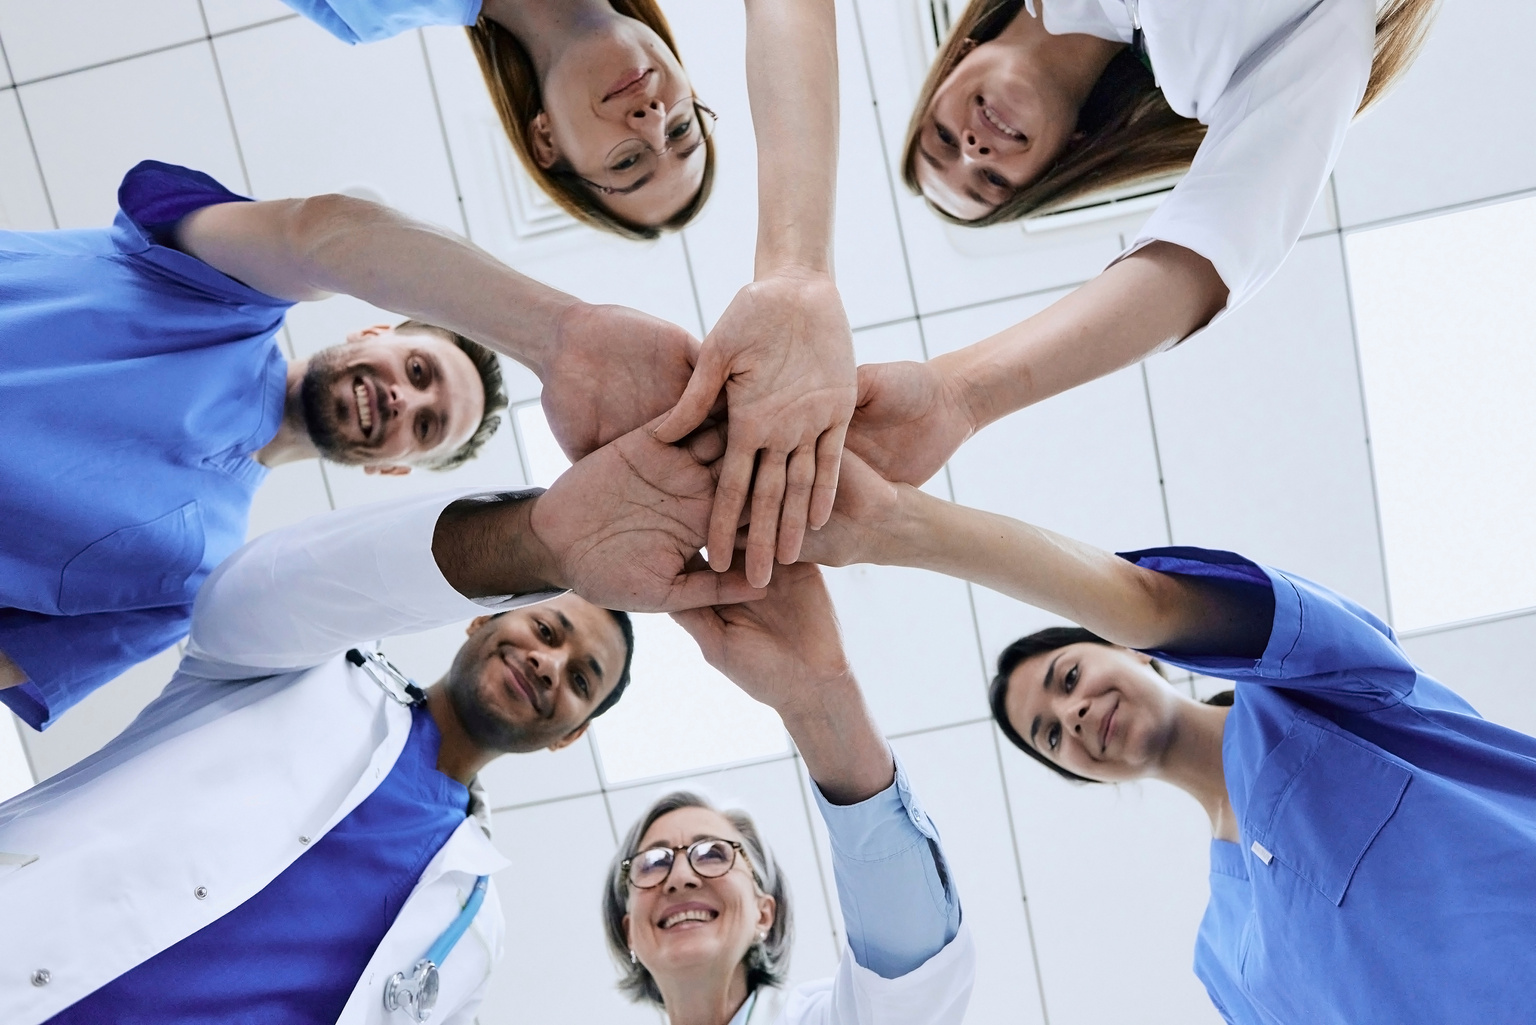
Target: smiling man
[292, 822]
[144, 396]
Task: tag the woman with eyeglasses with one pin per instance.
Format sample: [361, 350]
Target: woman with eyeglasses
[696, 909]
[1373, 854]
[592, 94]
[1032, 106]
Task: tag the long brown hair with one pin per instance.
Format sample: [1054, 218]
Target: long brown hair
[514, 86]
[1128, 133]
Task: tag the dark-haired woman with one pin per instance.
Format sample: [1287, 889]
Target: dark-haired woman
[1032, 105]
[696, 909]
[592, 94]
[1374, 851]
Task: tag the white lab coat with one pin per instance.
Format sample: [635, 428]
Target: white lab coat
[1277, 83]
[264, 739]
[934, 993]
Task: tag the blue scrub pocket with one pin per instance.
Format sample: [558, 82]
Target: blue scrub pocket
[136, 567]
[1319, 801]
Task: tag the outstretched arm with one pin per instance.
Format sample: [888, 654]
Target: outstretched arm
[782, 351]
[302, 249]
[912, 416]
[896, 524]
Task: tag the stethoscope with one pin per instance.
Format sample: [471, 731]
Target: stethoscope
[416, 994]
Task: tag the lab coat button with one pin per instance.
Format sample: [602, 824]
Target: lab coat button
[200, 893]
[304, 840]
[42, 977]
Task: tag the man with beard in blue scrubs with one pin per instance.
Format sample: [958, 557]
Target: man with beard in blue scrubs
[144, 397]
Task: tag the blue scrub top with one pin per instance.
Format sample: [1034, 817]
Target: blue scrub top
[1387, 867]
[368, 21]
[136, 383]
[294, 952]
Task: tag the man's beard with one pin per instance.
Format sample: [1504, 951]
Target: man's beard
[481, 724]
[318, 396]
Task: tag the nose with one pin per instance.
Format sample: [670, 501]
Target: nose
[682, 876]
[649, 119]
[548, 665]
[972, 144]
[1076, 714]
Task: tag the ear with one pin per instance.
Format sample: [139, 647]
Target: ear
[386, 470]
[364, 334]
[570, 738]
[475, 624]
[767, 912]
[541, 141]
[624, 924]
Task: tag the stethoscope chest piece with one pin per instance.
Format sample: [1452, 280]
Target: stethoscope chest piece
[415, 994]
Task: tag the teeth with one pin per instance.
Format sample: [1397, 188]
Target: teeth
[364, 412]
[986, 112]
[687, 916]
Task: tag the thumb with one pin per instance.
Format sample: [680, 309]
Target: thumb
[706, 587]
[697, 399]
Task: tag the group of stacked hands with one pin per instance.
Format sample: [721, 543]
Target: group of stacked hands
[293, 830]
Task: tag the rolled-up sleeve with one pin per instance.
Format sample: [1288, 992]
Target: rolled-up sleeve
[899, 903]
[298, 596]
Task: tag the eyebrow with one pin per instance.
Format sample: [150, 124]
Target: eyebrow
[1050, 674]
[642, 183]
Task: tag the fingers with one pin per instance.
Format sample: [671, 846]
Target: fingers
[703, 625]
[829, 458]
[698, 399]
[730, 500]
[707, 444]
[706, 587]
[767, 500]
[797, 502]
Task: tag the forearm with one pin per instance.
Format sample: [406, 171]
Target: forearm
[792, 86]
[844, 751]
[1145, 303]
[486, 549]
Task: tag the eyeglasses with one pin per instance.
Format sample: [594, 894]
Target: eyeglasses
[709, 858]
[630, 161]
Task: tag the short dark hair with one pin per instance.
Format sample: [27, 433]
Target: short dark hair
[1038, 643]
[489, 369]
[626, 628]
[767, 962]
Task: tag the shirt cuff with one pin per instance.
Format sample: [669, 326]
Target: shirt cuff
[878, 827]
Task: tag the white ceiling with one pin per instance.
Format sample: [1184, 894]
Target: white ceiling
[1253, 436]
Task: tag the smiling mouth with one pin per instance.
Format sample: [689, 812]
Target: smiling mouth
[627, 83]
[691, 915]
[364, 407]
[1107, 730]
[1002, 126]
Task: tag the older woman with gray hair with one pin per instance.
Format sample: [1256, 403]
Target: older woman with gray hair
[696, 909]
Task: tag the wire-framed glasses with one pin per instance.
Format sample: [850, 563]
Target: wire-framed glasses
[633, 160]
[709, 858]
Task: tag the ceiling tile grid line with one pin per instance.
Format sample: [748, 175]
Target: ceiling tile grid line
[26, 127]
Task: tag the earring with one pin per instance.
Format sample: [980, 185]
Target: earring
[762, 936]
[631, 955]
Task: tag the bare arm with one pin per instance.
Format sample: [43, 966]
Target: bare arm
[896, 524]
[303, 249]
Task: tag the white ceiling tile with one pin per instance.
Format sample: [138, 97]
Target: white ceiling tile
[1444, 307]
[1116, 882]
[228, 15]
[291, 492]
[1489, 664]
[911, 640]
[338, 118]
[556, 966]
[91, 127]
[889, 343]
[5, 69]
[955, 776]
[23, 201]
[770, 793]
[1454, 130]
[518, 779]
[592, 265]
[1262, 434]
[50, 38]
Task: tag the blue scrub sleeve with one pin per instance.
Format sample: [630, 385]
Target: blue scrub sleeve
[368, 21]
[1320, 641]
[68, 657]
[899, 902]
[156, 196]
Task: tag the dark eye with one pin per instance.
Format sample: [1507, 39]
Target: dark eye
[681, 130]
[943, 134]
[1053, 737]
[418, 371]
[581, 685]
[1069, 681]
[625, 163]
[544, 631]
[423, 427]
[996, 180]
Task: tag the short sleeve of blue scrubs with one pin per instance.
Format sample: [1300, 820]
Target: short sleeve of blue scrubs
[368, 21]
[136, 384]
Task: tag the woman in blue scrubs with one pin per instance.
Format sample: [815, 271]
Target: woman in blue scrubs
[1374, 851]
[592, 94]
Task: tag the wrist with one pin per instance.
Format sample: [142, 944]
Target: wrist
[537, 564]
[541, 327]
[974, 384]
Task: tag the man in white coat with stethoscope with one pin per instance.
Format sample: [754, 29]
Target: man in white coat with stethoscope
[290, 831]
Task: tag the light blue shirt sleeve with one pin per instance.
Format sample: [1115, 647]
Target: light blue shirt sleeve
[368, 21]
[899, 902]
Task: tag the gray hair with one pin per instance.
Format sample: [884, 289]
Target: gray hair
[767, 962]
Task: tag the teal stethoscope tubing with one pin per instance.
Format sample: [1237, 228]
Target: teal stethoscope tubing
[455, 931]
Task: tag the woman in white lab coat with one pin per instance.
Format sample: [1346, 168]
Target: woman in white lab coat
[1036, 105]
[697, 910]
